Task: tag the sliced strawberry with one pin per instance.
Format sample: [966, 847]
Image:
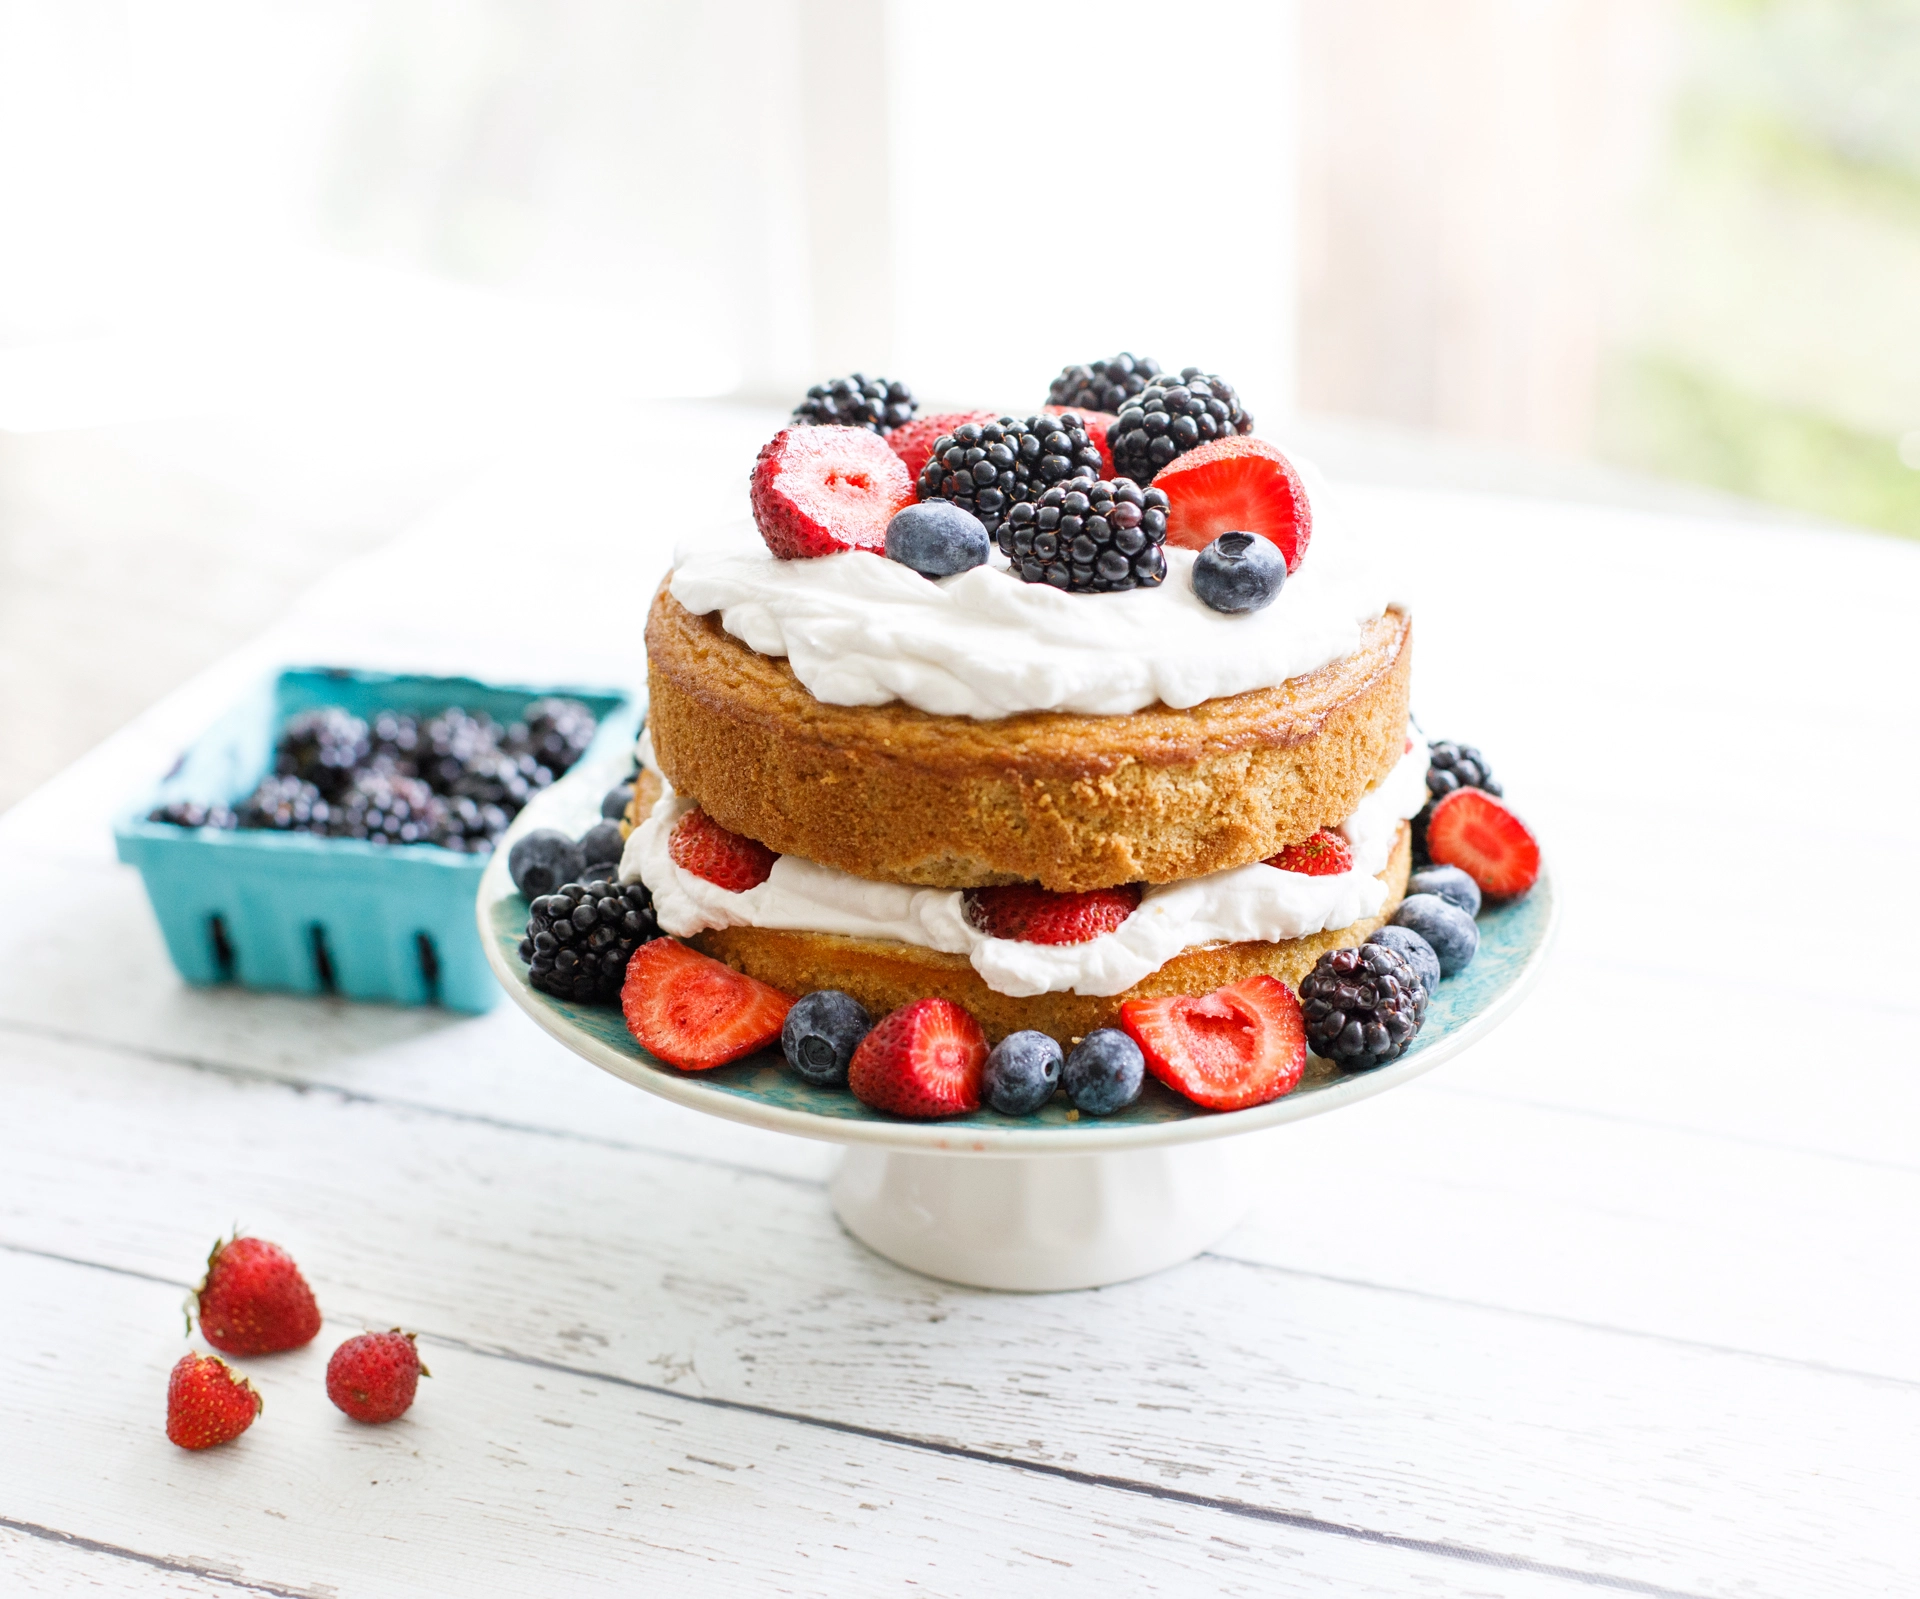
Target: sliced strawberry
[1097, 423]
[1325, 854]
[1472, 830]
[1040, 916]
[925, 1059]
[1237, 485]
[700, 845]
[1238, 1046]
[820, 490]
[695, 1013]
[914, 442]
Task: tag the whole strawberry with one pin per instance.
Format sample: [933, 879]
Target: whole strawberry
[372, 1377]
[253, 1300]
[207, 1403]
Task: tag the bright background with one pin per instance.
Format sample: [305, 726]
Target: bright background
[276, 276]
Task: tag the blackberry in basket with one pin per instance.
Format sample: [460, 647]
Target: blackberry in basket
[286, 805]
[857, 402]
[1170, 417]
[323, 747]
[395, 738]
[990, 467]
[1089, 537]
[555, 732]
[387, 807]
[1103, 385]
[468, 827]
[191, 813]
[579, 938]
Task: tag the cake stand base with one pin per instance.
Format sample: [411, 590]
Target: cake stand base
[1038, 1223]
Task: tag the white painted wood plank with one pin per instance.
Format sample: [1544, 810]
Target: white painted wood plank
[41, 1564]
[1403, 1414]
[508, 1479]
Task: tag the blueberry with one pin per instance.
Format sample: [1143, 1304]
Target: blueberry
[1450, 883]
[937, 538]
[1239, 572]
[601, 845]
[1104, 1072]
[614, 803]
[1444, 925]
[1021, 1074]
[820, 1035]
[1413, 949]
[542, 860]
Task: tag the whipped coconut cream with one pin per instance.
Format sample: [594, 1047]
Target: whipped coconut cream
[859, 629]
[1256, 902]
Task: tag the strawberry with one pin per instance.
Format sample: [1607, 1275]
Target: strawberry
[208, 1403]
[925, 1059]
[372, 1377]
[695, 1013]
[914, 442]
[1238, 1046]
[1472, 830]
[1097, 424]
[820, 490]
[1237, 485]
[1040, 916]
[253, 1300]
[1325, 854]
[702, 846]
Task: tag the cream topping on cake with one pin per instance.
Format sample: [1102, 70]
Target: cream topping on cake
[859, 629]
[1256, 902]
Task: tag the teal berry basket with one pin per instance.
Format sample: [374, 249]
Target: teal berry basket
[312, 915]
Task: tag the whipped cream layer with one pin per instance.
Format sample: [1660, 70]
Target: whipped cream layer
[859, 629]
[1256, 902]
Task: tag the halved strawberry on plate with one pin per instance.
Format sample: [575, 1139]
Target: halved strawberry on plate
[822, 490]
[925, 1059]
[1472, 830]
[694, 1012]
[1239, 1046]
[1236, 485]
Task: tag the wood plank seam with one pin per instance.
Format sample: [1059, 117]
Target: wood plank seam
[182, 1568]
[1790, 1361]
[1243, 1509]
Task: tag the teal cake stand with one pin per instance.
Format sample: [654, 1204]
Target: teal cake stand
[1050, 1201]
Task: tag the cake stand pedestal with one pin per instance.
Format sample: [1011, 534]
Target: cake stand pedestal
[1039, 1222]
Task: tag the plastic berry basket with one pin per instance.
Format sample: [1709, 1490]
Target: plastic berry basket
[313, 915]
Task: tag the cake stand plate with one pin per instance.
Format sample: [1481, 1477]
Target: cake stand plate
[1042, 1202]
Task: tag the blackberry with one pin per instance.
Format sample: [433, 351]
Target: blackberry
[857, 402]
[1089, 537]
[1362, 1006]
[396, 740]
[1450, 766]
[555, 732]
[1103, 385]
[580, 937]
[191, 813]
[468, 827]
[990, 467]
[1170, 417]
[286, 805]
[452, 743]
[387, 807]
[322, 747]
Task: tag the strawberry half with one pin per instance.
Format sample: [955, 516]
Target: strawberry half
[1097, 423]
[914, 442]
[700, 845]
[925, 1059]
[1240, 1045]
[1472, 830]
[1237, 485]
[695, 1013]
[1040, 916]
[1325, 854]
[821, 490]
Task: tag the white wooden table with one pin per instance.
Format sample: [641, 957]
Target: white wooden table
[1623, 1301]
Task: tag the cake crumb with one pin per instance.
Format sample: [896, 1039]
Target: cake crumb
[1073, 1115]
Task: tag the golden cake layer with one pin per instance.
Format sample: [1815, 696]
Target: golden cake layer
[1068, 801]
[884, 974]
